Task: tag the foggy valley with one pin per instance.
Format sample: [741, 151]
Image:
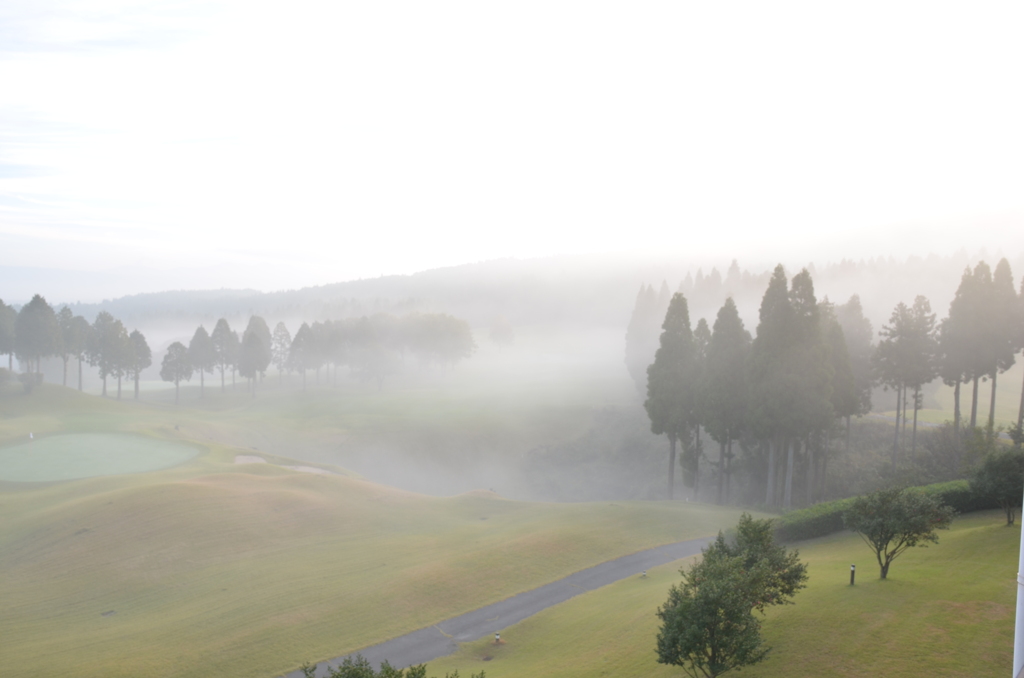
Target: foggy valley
[409, 340]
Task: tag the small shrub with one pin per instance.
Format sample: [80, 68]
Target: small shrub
[30, 380]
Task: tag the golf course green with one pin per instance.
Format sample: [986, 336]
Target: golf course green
[87, 455]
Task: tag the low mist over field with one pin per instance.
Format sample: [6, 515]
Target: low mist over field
[541, 391]
[324, 325]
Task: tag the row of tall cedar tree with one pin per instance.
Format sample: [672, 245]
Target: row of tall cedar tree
[810, 368]
[371, 346]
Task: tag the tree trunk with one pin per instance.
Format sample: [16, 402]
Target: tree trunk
[1020, 412]
[672, 463]
[956, 412]
[728, 469]
[176, 391]
[913, 438]
[992, 405]
[824, 477]
[787, 500]
[721, 471]
[79, 373]
[884, 571]
[136, 385]
[810, 472]
[303, 379]
[119, 386]
[65, 371]
[974, 404]
[696, 466]
[896, 436]
[769, 497]
[221, 378]
[903, 435]
[202, 385]
[847, 434]
[104, 386]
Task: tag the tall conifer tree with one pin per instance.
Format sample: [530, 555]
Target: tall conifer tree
[771, 388]
[223, 347]
[203, 355]
[37, 333]
[141, 357]
[671, 387]
[1004, 310]
[725, 388]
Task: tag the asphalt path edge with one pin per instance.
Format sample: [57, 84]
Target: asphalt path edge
[443, 638]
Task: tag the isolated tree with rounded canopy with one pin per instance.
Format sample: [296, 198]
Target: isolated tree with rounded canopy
[141, 357]
[8, 322]
[203, 356]
[36, 333]
[671, 382]
[708, 626]
[893, 520]
[1001, 478]
[176, 366]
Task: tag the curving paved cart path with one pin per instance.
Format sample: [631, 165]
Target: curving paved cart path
[443, 638]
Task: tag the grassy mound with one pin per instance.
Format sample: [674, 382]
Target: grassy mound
[947, 610]
[211, 569]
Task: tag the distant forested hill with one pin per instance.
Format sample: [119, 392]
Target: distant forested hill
[581, 290]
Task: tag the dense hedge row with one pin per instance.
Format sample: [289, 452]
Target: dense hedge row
[827, 517]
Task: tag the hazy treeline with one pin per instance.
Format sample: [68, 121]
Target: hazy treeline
[371, 346]
[36, 332]
[785, 394]
[586, 291]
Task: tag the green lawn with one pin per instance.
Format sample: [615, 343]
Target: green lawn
[215, 569]
[84, 455]
[947, 610]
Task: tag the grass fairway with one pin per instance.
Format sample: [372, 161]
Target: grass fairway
[946, 610]
[211, 569]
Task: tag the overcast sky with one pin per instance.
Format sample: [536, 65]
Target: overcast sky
[285, 144]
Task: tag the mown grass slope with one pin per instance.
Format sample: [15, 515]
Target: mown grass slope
[947, 610]
[216, 569]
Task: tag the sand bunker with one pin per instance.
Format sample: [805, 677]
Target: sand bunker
[253, 459]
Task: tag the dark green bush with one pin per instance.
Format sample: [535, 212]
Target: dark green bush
[813, 521]
[827, 517]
